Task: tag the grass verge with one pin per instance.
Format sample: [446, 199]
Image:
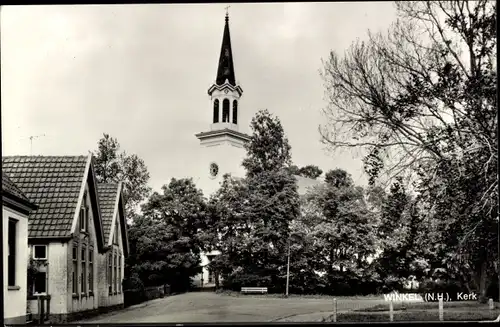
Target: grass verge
[402, 306]
[304, 296]
[424, 311]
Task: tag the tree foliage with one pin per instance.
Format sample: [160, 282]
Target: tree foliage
[165, 240]
[112, 166]
[255, 212]
[309, 171]
[342, 227]
[421, 101]
[263, 155]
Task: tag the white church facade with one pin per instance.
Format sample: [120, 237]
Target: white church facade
[222, 144]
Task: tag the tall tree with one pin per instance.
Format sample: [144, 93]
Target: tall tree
[344, 231]
[268, 149]
[107, 166]
[421, 101]
[112, 166]
[398, 233]
[229, 228]
[168, 245]
[135, 177]
[271, 202]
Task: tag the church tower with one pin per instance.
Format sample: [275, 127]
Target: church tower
[222, 146]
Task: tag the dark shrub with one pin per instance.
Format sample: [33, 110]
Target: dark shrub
[492, 292]
[451, 288]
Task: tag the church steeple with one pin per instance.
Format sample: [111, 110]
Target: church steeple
[226, 66]
[222, 145]
[225, 93]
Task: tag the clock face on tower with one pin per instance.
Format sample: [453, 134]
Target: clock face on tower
[214, 170]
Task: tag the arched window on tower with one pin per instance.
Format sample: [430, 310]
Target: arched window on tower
[225, 111]
[216, 111]
[235, 112]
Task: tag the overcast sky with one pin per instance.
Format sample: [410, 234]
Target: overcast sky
[141, 74]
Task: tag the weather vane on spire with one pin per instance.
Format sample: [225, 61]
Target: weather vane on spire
[227, 12]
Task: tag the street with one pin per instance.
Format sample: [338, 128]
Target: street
[212, 307]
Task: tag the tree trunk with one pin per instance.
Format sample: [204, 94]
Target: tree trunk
[483, 283]
[330, 266]
[216, 276]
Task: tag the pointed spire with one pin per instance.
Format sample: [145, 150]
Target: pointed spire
[226, 67]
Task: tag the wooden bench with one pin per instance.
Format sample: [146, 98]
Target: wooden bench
[260, 290]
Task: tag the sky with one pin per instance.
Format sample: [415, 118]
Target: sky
[141, 73]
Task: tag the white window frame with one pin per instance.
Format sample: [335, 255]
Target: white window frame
[12, 267]
[90, 265]
[46, 283]
[46, 252]
[84, 215]
[74, 263]
[83, 270]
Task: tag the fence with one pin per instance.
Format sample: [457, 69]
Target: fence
[136, 296]
[390, 311]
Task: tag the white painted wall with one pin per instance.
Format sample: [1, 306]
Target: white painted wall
[226, 151]
[57, 277]
[87, 302]
[60, 272]
[14, 301]
[105, 299]
[227, 156]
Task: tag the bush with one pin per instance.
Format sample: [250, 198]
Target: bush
[133, 282]
[450, 287]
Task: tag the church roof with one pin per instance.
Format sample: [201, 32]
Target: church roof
[226, 66]
[305, 184]
[226, 131]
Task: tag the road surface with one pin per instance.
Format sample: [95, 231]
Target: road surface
[212, 307]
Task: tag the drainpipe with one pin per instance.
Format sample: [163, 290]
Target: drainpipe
[288, 269]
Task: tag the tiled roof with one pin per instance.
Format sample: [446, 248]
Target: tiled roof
[107, 200]
[9, 186]
[51, 182]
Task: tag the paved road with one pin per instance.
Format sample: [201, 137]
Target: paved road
[212, 307]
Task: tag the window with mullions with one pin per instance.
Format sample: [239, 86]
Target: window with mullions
[116, 272]
[75, 269]
[91, 270]
[83, 270]
[110, 272]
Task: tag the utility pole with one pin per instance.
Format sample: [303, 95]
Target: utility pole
[288, 269]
